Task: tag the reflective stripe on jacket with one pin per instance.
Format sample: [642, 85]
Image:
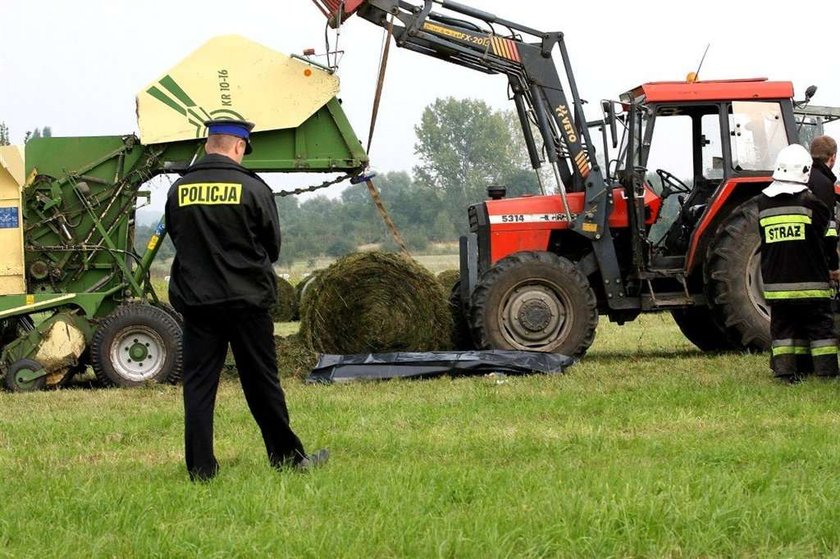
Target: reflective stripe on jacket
[793, 261]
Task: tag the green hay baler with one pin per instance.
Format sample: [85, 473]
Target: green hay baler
[73, 290]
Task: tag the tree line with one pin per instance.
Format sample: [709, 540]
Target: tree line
[5, 140]
[463, 146]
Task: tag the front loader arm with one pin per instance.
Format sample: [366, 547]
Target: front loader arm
[533, 77]
[537, 90]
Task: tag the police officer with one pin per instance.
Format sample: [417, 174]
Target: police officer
[223, 221]
[795, 271]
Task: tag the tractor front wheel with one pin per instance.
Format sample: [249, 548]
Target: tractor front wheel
[733, 280]
[534, 301]
[135, 345]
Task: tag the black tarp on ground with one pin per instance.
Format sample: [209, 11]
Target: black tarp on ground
[342, 368]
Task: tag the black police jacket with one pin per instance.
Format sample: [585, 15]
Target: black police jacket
[223, 221]
[821, 184]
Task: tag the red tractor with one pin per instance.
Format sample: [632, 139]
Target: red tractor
[624, 234]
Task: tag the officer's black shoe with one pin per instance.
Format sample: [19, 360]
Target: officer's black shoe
[789, 379]
[200, 475]
[313, 460]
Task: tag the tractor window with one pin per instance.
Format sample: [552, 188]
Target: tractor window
[670, 147]
[670, 152]
[757, 133]
[809, 127]
[712, 149]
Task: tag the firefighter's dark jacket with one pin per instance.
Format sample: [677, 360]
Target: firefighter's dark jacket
[224, 224]
[822, 185]
[793, 262]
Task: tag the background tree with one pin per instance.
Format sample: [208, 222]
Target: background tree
[464, 146]
[45, 132]
[4, 134]
[520, 183]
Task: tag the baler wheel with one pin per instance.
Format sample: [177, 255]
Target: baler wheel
[170, 310]
[15, 383]
[733, 279]
[137, 344]
[534, 301]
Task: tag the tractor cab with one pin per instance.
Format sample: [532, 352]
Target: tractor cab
[690, 138]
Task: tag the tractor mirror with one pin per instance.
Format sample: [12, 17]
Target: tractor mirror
[609, 116]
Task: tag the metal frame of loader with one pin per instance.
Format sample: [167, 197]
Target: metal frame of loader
[81, 269]
[537, 271]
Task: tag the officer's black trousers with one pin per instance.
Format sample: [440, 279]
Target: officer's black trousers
[250, 333]
[803, 339]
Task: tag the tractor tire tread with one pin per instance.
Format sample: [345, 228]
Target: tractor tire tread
[724, 272]
[480, 298]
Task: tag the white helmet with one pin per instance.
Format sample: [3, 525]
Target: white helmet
[793, 165]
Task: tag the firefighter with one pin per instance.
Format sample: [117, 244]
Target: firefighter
[794, 267]
[821, 183]
[223, 221]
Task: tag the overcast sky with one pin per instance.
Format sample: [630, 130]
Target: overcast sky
[76, 65]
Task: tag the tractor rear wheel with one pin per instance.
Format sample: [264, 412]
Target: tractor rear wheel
[733, 280]
[699, 326]
[534, 301]
[135, 345]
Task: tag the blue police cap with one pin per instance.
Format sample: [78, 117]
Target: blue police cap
[239, 128]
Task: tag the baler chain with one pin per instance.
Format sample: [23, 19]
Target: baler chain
[315, 187]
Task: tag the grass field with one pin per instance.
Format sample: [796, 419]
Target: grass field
[646, 448]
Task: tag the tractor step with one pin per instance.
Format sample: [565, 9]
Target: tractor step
[667, 264]
[670, 300]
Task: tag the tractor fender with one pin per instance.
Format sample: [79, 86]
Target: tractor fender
[726, 198]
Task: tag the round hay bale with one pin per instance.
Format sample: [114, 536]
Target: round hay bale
[301, 289]
[447, 279]
[294, 360]
[375, 302]
[284, 309]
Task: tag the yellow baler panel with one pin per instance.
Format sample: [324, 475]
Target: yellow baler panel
[12, 280]
[235, 78]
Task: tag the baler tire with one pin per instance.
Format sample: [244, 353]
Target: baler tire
[11, 382]
[170, 310]
[539, 288]
[117, 351]
[699, 326]
[733, 280]
[461, 336]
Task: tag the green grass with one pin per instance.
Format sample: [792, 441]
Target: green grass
[645, 448]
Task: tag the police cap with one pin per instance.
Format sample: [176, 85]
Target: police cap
[238, 128]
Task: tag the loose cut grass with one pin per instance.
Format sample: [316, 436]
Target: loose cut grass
[285, 309]
[647, 448]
